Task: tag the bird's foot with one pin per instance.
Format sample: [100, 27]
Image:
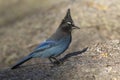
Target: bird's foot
[57, 63]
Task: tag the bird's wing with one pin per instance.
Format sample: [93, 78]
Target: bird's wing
[44, 45]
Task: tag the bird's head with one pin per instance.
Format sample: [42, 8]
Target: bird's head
[67, 23]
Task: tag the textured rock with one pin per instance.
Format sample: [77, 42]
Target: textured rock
[99, 62]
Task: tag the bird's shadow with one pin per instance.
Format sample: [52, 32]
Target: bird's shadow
[69, 55]
[63, 59]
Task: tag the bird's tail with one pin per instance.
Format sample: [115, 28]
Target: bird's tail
[21, 62]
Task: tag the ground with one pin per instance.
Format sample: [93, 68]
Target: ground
[100, 61]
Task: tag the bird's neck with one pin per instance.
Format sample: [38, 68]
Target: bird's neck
[59, 35]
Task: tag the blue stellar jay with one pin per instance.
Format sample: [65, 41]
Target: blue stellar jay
[54, 45]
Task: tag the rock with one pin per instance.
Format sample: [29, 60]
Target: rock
[101, 61]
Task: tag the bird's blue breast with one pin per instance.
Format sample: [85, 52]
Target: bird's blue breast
[59, 47]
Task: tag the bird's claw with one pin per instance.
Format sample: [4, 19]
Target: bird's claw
[58, 63]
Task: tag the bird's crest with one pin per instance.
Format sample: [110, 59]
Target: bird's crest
[67, 22]
[67, 18]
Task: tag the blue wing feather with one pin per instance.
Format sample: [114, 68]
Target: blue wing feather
[44, 45]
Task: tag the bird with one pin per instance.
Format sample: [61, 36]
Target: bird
[56, 44]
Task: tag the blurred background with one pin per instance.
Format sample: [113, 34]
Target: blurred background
[26, 23]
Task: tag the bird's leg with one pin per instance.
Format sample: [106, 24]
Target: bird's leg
[51, 60]
[56, 61]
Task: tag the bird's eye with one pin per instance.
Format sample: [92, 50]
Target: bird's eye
[69, 23]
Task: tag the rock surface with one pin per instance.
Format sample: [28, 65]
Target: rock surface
[101, 61]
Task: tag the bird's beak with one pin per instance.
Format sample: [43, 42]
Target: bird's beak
[75, 27]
